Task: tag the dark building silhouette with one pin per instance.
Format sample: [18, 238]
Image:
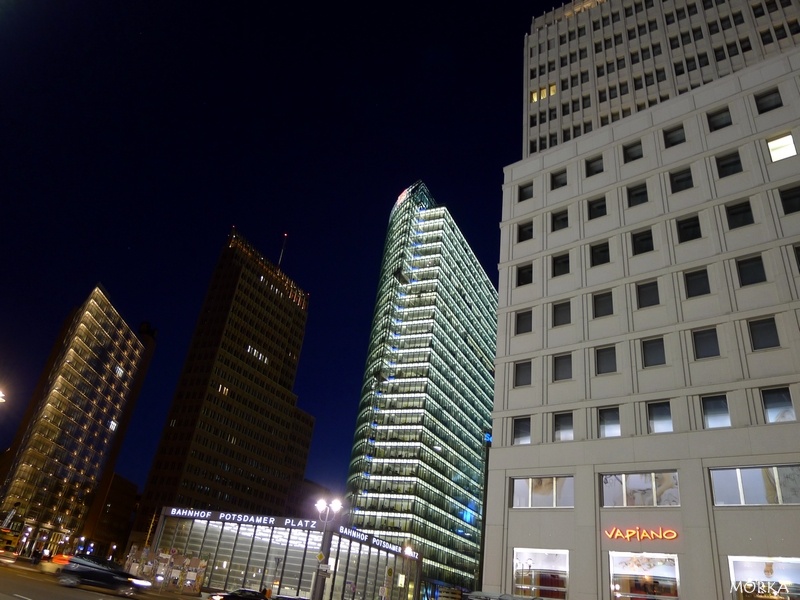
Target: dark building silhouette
[234, 437]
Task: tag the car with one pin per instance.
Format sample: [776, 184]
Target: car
[8, 554]
[85, 569]
[240, 594]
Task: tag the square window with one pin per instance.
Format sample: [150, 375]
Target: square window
[524, 274]
[605, 360]
[719, 119]
[751, 270]
[561, 314]
[653, 352]
[597, 208]
[706, 344]
[688, 229]
[679, 70]
[764, 334]
[647, 294]
[525, 191]
[697, 283]
[522, 431]
[766, 37]
[599, 254]
[719, 54]
[681, 180]
[608, 422]
[522, 373]
[715, 412]
[767, 101]
[790, 200]
[524, 231]
[562, 367]
[602, 304]
[642, 241]
[778, 406]
[562, 427]
[637, 194]
[733, 49]
[558, 179]
[523, 322]
[729, 164]
[559, 220]
[739, 214]
[782, 147]
[674, 136]
[594, 166]
[758, 11]
[632, 151]
[659, 417]
[560, 265]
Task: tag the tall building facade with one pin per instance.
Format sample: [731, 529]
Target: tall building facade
[645, 418]
[62, 458]
[418, 462]
[235, 438]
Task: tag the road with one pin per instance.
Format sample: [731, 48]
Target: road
[27, 584]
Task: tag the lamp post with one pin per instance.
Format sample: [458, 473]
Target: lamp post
[327, 513]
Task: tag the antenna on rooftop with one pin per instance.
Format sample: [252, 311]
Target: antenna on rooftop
[283, 247]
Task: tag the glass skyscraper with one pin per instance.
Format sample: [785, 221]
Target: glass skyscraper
[417, 468]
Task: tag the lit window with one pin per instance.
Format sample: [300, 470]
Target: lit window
[552, 89]
[542, 492]
[659, 417]
[756, 486]
[778, 405]
[608, 422]
[782, 147]
[641, 489]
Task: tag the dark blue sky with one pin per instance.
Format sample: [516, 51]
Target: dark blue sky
[134, 134]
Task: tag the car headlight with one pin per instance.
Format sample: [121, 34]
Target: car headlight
[140, 582]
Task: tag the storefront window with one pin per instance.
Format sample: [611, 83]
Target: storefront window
[646, 575]
[758, 577]
[541, 573]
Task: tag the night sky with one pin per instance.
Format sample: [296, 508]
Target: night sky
[134, 134]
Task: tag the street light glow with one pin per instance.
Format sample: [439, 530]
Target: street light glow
[2, 397]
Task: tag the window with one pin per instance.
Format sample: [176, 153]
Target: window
[674, 136]
[602, 304]
[594, 166]
[605, 360]
[543, 492]
[729, 164]
[688, 229]
[715, 412]
[641, 489]
[647, 294]
[767, 101]
[706, 344]
[659, 417]
[653, 352]
[525, 231]
[790, 200]
[562, 367]
[719, 119]
[782, 147]
[558, 179]
[756, 486]
[562, 427]
[560, 265]
[751, 270]
[642, 241]
[597, 208]
[764, 334]
[526, 192]
[522, 373]
[681, 180]
[608, 422]
[524, 274]
[523, 322]
[637, 194]
[697, 283]
[632, 152]
[559, 220]
[561, 313]
[599, 254]
[778, 406]
[522, 431]
[739, 214]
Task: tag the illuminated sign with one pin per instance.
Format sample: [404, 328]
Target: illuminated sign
[639, 534]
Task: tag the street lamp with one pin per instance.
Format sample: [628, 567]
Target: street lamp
[327, 513]
[2, 397]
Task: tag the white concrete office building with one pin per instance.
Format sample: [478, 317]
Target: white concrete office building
[645, 434]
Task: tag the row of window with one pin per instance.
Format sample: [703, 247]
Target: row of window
[763, 336]
[776, 403]
[734, 486]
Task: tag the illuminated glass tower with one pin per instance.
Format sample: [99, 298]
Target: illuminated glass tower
[417, 467]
